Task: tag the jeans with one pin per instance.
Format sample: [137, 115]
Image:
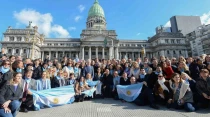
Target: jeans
[13, 106]
[188, 106]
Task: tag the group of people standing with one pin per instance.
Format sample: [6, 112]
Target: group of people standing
[175, 83]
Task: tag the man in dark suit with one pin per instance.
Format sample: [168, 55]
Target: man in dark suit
[88, 69]
[107, 84]
[124, 80]
[37, 70]
[27, 84]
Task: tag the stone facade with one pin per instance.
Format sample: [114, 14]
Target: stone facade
[199, 40]
[95, 42]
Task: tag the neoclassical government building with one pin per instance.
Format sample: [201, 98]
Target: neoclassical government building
[96, 41]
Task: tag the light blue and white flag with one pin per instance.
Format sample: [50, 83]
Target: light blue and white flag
[89, 92]
[53, 97]
[92, 83]
[129, 92]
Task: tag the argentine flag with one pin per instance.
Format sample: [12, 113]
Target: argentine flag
[53, 97]
[129, 92]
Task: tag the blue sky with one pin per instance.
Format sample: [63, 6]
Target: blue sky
[132, 19]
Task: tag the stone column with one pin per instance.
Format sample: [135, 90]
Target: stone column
[139, 55]
[63, 53]
[186, 54]
[49, 55]
[103, 53]
[116, 53]
[120, 56]
[70, 54]
[27, 52]
[89, 53]
[42, 55]
[83, 53]
[56, 55]
[13, 51]
[21, 51]
[110, 53]
[96, 52]
[132, 56]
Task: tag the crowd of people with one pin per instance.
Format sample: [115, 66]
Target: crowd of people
[181, 83]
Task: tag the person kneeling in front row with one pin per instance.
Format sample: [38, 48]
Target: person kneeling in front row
[10, 95]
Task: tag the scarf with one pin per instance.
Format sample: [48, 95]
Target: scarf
[4, 70]
[28, 80]
[76, 70]
[135, 71]
[19, 70]
[182, 70]
[43, 69]
[142, 76]
[185, 86]
[81, 84]
[157, 73]
[146, 70]
[162, 85]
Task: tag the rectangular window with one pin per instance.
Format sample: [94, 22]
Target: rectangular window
[174, 52]
[93, 53]
[180, 52]
[11, 38]
[86, 53]
[105, 53]
[18, 38]
[54, 54]
[167, 52]
[99, 53]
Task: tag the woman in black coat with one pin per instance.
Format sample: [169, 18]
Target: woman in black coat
[5, 73]
[10, 95]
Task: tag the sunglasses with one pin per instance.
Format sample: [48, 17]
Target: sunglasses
[160, 76]
[7, 63]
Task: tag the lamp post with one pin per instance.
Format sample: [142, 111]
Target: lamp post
[36, 39]
[142, 52]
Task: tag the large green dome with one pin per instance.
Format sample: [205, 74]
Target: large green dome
[96, 10]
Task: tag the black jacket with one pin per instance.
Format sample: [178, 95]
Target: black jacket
[123, 82]
[6, 77]
[37, 73]
[8, 93]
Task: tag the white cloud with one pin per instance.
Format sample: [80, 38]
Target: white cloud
[72, 28]
[81, 8]
[77, 18]
[138, 34]
[168, 24]
[43, 21]
[205, 18]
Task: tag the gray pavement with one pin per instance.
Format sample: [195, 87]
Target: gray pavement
[110, 108]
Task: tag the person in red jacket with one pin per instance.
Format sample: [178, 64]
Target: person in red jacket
[167, 69]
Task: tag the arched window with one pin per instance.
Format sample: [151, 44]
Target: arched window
[17, 50]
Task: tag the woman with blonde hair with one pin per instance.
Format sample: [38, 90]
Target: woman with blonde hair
[58, 81]
[44, 82]
[182, 59]
[135, 71]
[10, 95]
[182, 67]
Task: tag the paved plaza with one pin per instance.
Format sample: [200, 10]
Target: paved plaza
[110, 108]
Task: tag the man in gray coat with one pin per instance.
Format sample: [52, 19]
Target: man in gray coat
[27, 97]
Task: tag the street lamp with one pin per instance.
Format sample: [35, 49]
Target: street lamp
[142, 52]
[36, 39]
